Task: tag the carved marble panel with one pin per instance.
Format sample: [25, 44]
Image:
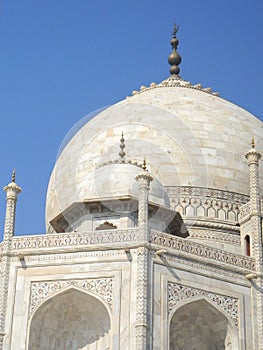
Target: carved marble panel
[179, 292]
[40, 291]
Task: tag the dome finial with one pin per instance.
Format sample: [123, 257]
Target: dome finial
[144, 164]
[14, 175]
[122, 146]
[253, 142]
[174, 59]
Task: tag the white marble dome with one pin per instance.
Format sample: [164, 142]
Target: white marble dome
[189, 136]
[117, 181]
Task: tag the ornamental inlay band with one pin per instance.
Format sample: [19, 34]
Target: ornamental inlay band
[178, 292]
[40, 291]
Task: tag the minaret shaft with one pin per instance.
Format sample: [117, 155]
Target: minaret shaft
[12, 190]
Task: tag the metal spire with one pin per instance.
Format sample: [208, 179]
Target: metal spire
[122, 146]
[144, 164]
[14, 175]
[174, 59]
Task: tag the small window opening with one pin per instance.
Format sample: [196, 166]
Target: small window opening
[106, 226]
[247, 241]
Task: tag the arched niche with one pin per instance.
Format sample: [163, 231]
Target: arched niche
[198, 325]
[247, 245]
[70, 320]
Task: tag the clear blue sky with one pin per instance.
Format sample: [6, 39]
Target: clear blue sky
[63, 59]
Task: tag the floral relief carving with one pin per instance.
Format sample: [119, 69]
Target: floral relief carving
[179, 292]
[40, 291]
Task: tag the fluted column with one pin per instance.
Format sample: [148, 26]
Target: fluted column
[143, 290]
[253, 157]
[12, 190]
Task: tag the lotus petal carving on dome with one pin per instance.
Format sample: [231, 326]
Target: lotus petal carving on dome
[176, 81]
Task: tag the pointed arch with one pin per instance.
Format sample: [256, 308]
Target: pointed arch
[247, 245]
[72, 320]
[200, 325]
[190, 210]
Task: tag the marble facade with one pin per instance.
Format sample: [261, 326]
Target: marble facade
[145, 254]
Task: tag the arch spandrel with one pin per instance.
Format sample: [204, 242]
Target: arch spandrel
[179, 294]
[100, 288]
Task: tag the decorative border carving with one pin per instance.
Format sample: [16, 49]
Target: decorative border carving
[201, 250]
[245, 210]
[206, 202]
[207, 223]
[127, 236]
[74, 239]
[70, 256]
[215, 236]
[40, 291]
[224, 273]
[179, 292]
[142, 300]
[206, 192]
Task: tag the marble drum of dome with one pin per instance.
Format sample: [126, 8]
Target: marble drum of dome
[188, 136]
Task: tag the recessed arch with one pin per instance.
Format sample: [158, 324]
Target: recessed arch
[199, 325]
[190, 210]
[72, 320]
[247, 245]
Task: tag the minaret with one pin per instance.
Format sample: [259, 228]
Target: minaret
[253, 157]
[143, 305]
[255, 224]
[174, 59]
[12, 190]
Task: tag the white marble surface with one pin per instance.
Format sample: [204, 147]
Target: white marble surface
[189, 138]
[110, 279]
